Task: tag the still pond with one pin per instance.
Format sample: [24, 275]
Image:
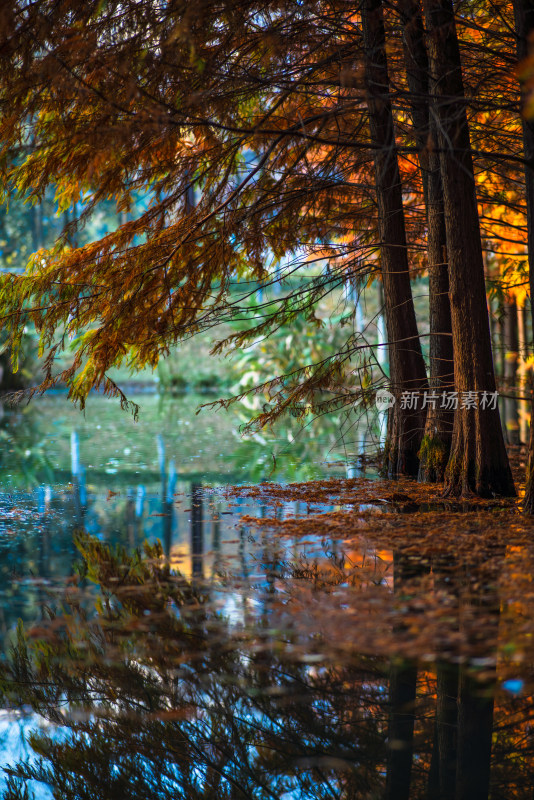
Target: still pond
[184, 615]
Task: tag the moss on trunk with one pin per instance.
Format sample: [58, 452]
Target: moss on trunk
[433, 457]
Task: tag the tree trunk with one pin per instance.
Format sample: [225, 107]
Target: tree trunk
[524, 23]
[407, 367]
[436, 443]
[522, 376]
[478, 462]
[37, 226]
[511, 360]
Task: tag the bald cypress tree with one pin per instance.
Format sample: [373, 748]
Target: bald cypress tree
[407, 368]
[478, 462]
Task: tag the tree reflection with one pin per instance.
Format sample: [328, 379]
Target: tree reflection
[159, 693]
[157, 696]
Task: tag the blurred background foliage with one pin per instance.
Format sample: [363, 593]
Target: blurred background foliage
[191, 368]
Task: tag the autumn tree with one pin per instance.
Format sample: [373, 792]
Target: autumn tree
[295, 136]
[436, 444]
[173, 122]
[408, 372]
[524, 25]
[478, 459]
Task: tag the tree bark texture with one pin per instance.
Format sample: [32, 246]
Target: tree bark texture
[407, 367]
[524, 25]
[478, 462]
[511, 360]
[436, 444]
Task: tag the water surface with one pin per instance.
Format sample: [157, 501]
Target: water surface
[273, 641]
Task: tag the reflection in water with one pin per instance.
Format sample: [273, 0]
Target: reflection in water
[402, 694]
[442, 777]
[197, 541]
[49, 441]
[168, 700]
[322, 655]
[162, 691]
[119, 481]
